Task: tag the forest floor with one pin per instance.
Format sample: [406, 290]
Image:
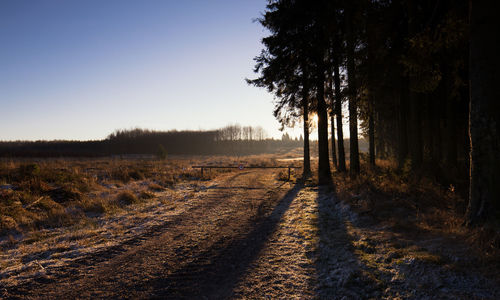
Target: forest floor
[247, 234]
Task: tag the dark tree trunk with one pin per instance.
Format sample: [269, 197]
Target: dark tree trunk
[371, 135]
[484, 114]
[451, 149]
[353, 106]
[415, 133]
[324, 173]
[403, 124]
[414, 124]
[451, 121]
[332, 134]
[332, 120]
[371, 38]
[435, 131]
[338, 112]
[305, 106]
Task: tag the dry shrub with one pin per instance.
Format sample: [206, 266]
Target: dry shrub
[283, 175]
[155, 187]
[96, 205]
[127, 198]
[120, 174]
[136, 174]
[65, 194]
[146, 195]
[7, 224]
[406, 202]
[487, 238]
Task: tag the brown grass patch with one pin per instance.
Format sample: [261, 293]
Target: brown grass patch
[411, 204]
[155, 187]
[127, 198]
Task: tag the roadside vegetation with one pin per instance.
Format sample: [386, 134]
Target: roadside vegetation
[50, 193]
[60, 192]
[417, 208]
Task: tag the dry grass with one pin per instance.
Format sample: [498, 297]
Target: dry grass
[127, 198]
[412, 205]
[36, 194]
[51, 193]
[393, 196]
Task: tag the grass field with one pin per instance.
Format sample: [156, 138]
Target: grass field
[49, 193]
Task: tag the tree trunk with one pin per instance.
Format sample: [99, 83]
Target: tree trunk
[435, 130]
[415, 133]
[403, 123]
[353, 106]
[338, 112]
[415, 125]
[332, 134]
[484, 115]
[306, 172]
[371, 85]
[324, 173]
[371, 134]
[332, 120]
[451, 120]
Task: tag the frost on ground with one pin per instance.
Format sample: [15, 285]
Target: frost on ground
[322, 249]
[41, 254]
[241, 235]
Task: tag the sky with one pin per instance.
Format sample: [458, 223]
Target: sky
[79, 70]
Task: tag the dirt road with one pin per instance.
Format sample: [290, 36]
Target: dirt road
[200, 252]
[248, 235]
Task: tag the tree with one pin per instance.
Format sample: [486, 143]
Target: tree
[293, 67]
[353, 92]
[484, 195]
[338, 109]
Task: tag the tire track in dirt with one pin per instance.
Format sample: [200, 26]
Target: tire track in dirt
[87, 262]
[189, 255]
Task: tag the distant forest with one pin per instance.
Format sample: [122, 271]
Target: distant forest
[230, 140]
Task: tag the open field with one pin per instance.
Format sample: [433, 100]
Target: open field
[136, 228]
[59, 192]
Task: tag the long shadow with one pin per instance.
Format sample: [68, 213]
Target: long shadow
[337, 266]
[357, 267]
[214, 272]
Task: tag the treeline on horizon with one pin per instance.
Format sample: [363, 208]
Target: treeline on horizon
[230, 140]
[418, 76]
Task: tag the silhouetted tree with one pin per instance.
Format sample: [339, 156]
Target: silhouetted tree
[484, 197]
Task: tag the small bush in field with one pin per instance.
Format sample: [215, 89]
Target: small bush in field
[283, 175]
[161, 153]
[146, 195]
[121, 175]
[127, 198]
[7, 223]
[28, 170]
[98, 207]
[136, 175]
[65, 194]
[156, 187]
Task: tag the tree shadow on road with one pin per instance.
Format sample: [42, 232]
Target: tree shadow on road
[338, 267]
[214, 272]
[361, 258]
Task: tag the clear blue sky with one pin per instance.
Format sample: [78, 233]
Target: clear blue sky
[81, 69]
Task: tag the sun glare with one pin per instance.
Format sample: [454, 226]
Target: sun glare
[314, 118]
